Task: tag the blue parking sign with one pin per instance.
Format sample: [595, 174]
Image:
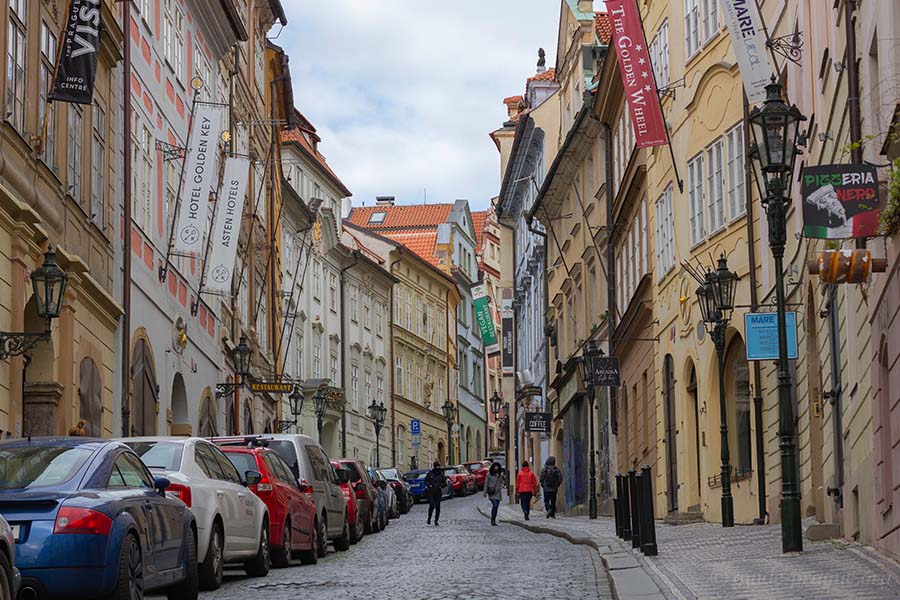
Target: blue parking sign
[415, 427]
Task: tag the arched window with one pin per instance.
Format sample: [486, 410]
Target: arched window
[89, 402]
[737, 382]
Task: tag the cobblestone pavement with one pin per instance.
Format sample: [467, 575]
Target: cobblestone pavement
[465, 554]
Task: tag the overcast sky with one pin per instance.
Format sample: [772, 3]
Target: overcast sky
[404, 92]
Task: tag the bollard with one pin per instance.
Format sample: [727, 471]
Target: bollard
[622, 490]
[648, 526]
[634, 496]
[617, 513]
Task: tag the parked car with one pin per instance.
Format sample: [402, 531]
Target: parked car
[459, 480]
[366, 494]
[381, 503]
[310, 464]
[354, 513]
[401, 489]
[391, 504]
[479, 470]
[294, 526]
[10, 578]
[232, 522]
[417, 487]
[89, 521]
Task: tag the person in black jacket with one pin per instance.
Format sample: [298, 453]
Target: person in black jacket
[551, 480]
[434, 489]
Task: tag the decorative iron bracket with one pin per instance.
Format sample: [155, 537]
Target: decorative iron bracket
[223, 390]
[169, 151]
[17, 344]
[284, 426]
[668, 91]
[789, 46]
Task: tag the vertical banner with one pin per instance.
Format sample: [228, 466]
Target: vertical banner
[637, 73]
[199, 170]
[77, 66]
[507, 350]
[749, 42]
[485, 319]
[227, 225]
[840, 201]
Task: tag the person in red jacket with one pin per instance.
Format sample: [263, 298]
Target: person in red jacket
[526, 486]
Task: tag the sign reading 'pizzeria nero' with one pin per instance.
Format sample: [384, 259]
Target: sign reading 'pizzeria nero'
[840, 201]
[77, 67]
[637, 73]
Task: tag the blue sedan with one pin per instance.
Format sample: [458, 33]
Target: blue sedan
[417, 486]
[90, 521]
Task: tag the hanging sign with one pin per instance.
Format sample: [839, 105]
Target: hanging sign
[77, 66]
[761, 333]
[227, 225]
[538, 422]
[272, 387]
[485, 320]
[506, 350]
[606, 371]
[840, 201]
[637, 73]
[199, 170]
[748, 40]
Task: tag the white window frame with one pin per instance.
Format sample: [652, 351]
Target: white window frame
[98, 167]
[659, 54]
[354, 386]
[16, 63]
[665, 234]
[75, 156]
[715, 185]
[48, 66]
[691, 28]
[736, 170]
[696, 201]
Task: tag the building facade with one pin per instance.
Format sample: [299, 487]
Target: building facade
[487, 252]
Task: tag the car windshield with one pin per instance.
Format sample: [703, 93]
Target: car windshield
[451, 471]
[354, 473]
[391, 473]
[242, 461]
[475, 467]
[413, 475]
[287, 451]
[159, 455]
[27, 467]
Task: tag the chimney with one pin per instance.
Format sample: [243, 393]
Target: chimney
[586, 6]
[384, 200]
[346, 207]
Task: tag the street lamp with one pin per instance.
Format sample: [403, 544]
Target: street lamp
[321, 401]
[495, 404]
[240, 356]
[295, 399]
[587, 373]
[48, 283]
[775, 127]
[377, 413]
[716, 298]
[449, 416]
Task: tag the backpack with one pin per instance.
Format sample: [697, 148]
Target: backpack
[551, 478]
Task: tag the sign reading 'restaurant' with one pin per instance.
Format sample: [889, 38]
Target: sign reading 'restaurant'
[749, 43]
[840, 201]
[227, 224]
[637, 73]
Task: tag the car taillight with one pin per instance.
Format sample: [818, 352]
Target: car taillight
[182, 492]
[264, 486]
[81, 521]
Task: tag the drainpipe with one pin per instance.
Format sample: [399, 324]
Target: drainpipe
[126, 227]
[355, 255]
[391, 367]
[611, 275]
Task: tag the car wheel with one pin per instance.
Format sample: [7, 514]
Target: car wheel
[260, 564]
[212, 569]
[6, 581]
[358, 529]
[322, 546]
[130, 579]
[342, 543]
[189, 588]
[311, 556]
[282, 557]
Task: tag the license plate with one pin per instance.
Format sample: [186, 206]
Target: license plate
[16, 529]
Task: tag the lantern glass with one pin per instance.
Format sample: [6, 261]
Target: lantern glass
[382, 412]
[495, 404]
[296, 399]
[241, 357]
[372, 411]
[724, 288]
[707, 302]
[320, 399]
[775, 128]
[48, 283]
[448, 411]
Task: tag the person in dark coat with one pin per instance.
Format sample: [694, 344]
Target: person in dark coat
[493, 489]
[551, 480]
[435, 481]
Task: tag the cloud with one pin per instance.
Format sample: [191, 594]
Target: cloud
[405, 93]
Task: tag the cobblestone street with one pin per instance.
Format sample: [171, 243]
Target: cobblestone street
[463, 558]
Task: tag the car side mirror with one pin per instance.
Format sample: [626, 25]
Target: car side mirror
[161, 484]
[343, 477]
[252, 478]
[305, 488]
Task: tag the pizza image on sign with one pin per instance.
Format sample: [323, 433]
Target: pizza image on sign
[840, 201]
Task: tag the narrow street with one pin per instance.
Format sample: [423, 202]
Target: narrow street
[463, 558]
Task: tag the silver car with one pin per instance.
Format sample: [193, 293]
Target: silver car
[9, 574]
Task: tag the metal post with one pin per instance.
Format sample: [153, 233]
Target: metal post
[648, 527]
[727, 501]
[319, 425]
[377, 446]
[622, 490]
[634, 496]
[592, 501]
[617, 512]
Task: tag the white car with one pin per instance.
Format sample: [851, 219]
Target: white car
[232, 522]
[9, 575]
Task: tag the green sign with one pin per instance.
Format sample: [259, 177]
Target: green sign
[485, 319]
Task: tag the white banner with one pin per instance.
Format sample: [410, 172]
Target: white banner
[749, 42]
[227, 226]
[199, 171]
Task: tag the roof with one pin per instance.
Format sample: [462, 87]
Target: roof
[401, 216]
[603, 27]
[295, 136]
[420, 242]
[512, 100]
[355, 243]
[548, 75]
[478, 220]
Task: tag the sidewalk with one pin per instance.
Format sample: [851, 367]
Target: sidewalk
[706, 561]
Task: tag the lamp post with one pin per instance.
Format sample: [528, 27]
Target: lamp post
[295, 399]
[449, 416]
[377, 413]
[240, 356]
[48, 284]
[321, 401]
[716, 298]
[495, 409]
[587, 374]
[775, 127]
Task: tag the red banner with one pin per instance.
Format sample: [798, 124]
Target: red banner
[637, 73]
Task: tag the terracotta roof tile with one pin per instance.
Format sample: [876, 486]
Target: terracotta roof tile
[512, 100]
[420, 242]
[478, 220]
[548, 75]
[401, 216]
[603, 27]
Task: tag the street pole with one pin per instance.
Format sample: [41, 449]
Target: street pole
[727, 500]
[592, 501]
[377, 446]
[319, 425]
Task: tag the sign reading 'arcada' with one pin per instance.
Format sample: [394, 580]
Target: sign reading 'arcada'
[77, 66]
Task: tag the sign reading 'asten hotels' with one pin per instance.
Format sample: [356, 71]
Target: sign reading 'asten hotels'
[227, 225]
[761, 333]
[198, 178]
[485, 319]
[637, 73]
[749, 43]
[506, 349]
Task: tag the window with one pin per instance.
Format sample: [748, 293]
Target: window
[98, 168]
[440, 394]
[262, 329]
[659, 54]
[420, 317]
[146, 9]
[665, 234]
[710, 18]
[332, 292]
[261, 62]
[354, 304]
[45, 108]
[173, 39]
[695, 193]
[715, 185]
[398, 305]
[367, 387]
[420, 388]
[317, 356]
[379, 319]
[737, 199]
[377, 217]
[379, 388]
[367, 320]
[691, 27]
[298, 355]
[15, 65]
[409, 314]
[142, 174]
[354, 387]
[129, 472]
[398, 377]
[73, 159]
[317, 280]
[334, 368]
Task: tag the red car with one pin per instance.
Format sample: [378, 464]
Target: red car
[354, 514]
[365, 492]
[479, 470]
[462, 482]
[294, 525]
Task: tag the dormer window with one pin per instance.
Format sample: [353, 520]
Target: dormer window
[377, 217]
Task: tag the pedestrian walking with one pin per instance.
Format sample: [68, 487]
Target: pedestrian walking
[435, 481]
[526, 487]
[493, 486]
[551, 479]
